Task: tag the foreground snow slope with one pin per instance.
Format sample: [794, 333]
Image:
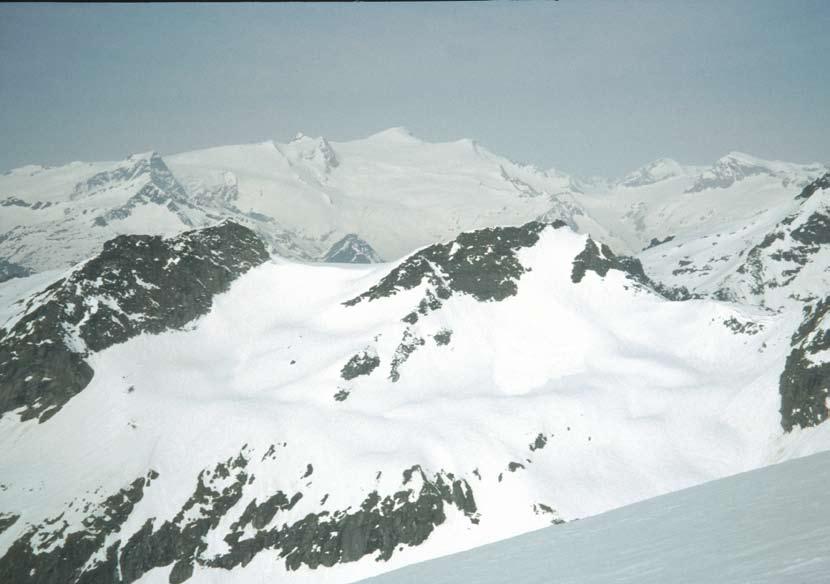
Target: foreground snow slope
[314, 422]
[766, 526]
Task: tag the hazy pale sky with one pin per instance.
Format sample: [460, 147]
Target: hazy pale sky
[588, 87]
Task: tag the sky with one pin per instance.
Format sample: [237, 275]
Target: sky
[587, 87]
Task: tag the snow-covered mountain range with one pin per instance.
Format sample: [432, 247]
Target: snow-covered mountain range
[391, 190]
[207, 376]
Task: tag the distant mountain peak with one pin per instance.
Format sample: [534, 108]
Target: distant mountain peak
[149, 155]
[737, 166]
[27, 170]
[742, 157]
[397, 133]
[653, 172]
[317, 151]
[740, 160]
[351, 249]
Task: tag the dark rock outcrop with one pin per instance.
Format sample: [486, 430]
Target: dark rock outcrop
[13, 201]
[379, 525]
[805, 384]
[818, 184]
[743, 327]
[483, 264]
[655, 242]
[179, 540]
[781, 255]
[33, 559]
[814, 231]
[47, 554]
[351, 249]
[137, 284]
[7, 520]
[600, 259]
[362, 363]
[409, 344]
[443, 337]
[9, 270]
[539, 443]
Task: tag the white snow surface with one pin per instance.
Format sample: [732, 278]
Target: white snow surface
[766, 526]
[638, 397]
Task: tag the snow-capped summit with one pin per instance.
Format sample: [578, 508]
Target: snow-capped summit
[394, 134]
[351, 249]
[731, 168]
[26, 170]
[148, 155]
[737, 166]
[397, 191]
[656, 171]
[312, 187]
[742, 159]
[315, 153]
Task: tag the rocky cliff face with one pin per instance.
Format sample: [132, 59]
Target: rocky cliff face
[9, 270]
[137, 284]
[93, 549]
[480, 263]
[786, 264]
[805, 381]
[159, 187]
[775, 259]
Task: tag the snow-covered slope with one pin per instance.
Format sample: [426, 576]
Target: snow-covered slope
[326, 422]
[776, 258]
[766, 526]
[665, 199]
[53, 218]
[248, 404]
[393, 190]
